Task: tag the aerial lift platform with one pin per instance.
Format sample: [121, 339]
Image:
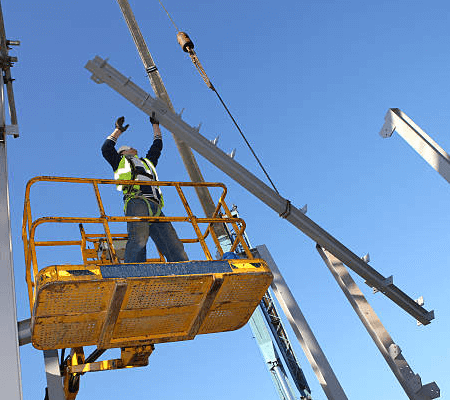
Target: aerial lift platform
[106, 252]
[107, 303]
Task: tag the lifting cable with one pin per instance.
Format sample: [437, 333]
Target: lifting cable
[188, 46]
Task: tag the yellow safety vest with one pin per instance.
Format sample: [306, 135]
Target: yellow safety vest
[125, 171]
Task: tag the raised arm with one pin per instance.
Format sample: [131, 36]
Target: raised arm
[109, 151]
[155, 150]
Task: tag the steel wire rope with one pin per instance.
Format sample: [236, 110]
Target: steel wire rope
[167, 12]
[199, 67]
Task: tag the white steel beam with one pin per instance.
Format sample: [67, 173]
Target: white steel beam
[105, 73]
[53, 375]
[10, 374]
[410, 382]
[261, 333]
[305, 336]
[189, 161]
[431, 152]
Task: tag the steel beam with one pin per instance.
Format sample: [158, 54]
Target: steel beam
[305, 336]
[431, 152]
[410, 382]
[189, 161]
[269, 311]
[105, 73]
[10, 373]
[53, 374]
[261, 333]
[24, 333]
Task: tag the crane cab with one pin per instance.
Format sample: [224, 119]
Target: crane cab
[102, 301]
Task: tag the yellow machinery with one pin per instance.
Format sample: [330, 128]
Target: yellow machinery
[106, 303]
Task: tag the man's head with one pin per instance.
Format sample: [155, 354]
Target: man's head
[127, 151]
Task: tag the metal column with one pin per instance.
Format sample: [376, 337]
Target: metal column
[10, 377]
[10, 374]
[55, 388]
[103, 72]
[410, 382]
[305, 336]
[268, 311]
[431, 152]
[189, 161]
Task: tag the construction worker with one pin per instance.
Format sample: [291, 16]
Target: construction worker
[142, 200]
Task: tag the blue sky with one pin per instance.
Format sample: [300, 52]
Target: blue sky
[309, 82]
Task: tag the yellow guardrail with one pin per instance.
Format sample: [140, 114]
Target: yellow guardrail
[221, 215]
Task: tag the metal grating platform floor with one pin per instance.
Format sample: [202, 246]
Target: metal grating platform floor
[132, 304]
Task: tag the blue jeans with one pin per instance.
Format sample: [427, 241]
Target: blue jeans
[162, 233]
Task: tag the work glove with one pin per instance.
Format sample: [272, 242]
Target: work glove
[119, 124]
[153, 119]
